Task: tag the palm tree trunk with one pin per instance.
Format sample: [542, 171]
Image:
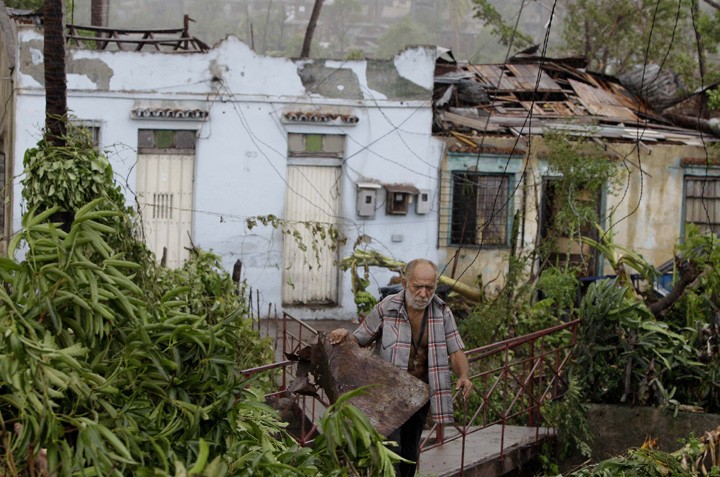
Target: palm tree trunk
[99, 11]
[55, 78]
[311, 29]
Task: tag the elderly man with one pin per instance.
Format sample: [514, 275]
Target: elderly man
[415, 330]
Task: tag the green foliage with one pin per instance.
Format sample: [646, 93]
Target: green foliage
[641, 462]
[25, 4]
[315, 234]
[621, 258]
[349, 441]
[697, 457]
[68, 177]
[405, 32]
[108, 364]
[567, 416]
[580, 171]
[263, 448]
[695, 314]
[515, 311]
[364, 300]
[505, 31]
[106, 376]
[111, 365]
[580, 164]
[623, 354]
[618, 35]
[355, 55]
[560, 290]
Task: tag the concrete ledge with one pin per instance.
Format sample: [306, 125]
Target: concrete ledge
[619, 428]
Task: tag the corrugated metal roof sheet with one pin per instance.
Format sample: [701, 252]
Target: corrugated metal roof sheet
[537, 96]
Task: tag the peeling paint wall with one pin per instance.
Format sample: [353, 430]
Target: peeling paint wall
[647, 210]
[241, 147]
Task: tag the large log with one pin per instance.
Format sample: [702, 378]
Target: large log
[394, 395]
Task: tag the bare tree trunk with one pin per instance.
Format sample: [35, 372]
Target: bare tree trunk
[55, 77]
[305, 53]
[265, 29]
[99, 11]
[698, 40]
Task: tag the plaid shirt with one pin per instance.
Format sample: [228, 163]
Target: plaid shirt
[389, 326]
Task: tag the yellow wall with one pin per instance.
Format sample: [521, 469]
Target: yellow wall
[644, 210]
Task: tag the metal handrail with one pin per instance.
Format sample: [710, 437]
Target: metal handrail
[521, 373]
[513, 378]
[291, 342]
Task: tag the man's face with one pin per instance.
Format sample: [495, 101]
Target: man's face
[420, 286]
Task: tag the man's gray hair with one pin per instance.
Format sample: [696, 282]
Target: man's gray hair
[410, 266]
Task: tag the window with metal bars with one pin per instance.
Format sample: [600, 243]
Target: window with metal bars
[163, 206]
[702, 203]
[480, 209]
[166, 141]
[316, 145]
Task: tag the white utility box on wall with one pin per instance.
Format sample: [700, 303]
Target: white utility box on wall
[367, 199]
[422, 205]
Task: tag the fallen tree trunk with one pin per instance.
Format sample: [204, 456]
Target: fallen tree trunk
[393, 395]
[689, 273]
[374, 259]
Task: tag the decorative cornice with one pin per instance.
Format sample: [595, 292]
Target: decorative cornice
[322, 118]
[169, 113]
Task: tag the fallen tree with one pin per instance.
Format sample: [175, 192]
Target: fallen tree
[372, 258]
[392, 397]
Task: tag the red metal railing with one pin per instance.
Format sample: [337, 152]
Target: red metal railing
[513, 379]
[291, 335]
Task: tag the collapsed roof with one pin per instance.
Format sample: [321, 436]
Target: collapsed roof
[529, 96]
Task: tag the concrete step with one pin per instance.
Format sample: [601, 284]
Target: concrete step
[482, 452]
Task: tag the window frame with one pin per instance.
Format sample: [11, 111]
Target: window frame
[496, 209]
[144, 147]
[508, 166]
[710, 175]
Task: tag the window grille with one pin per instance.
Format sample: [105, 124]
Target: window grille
[702, 203]
[480, 209]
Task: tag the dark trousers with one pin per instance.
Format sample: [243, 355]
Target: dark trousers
[408, 438]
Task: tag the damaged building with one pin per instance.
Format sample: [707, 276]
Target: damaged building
[416, 156]
[497, 194]
[250, 157]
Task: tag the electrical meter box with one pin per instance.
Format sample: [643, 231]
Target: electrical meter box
[398, 198]
[422, 205]
[367, 199]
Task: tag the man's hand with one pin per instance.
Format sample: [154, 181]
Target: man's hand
[461, 367]
[466, 385]
[337, 336]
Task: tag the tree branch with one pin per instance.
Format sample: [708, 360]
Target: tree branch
[713, 4]
[689, 273]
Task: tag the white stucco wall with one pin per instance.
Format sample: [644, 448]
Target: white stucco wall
[241, 148]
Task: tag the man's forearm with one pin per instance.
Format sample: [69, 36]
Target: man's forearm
[460, 364]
